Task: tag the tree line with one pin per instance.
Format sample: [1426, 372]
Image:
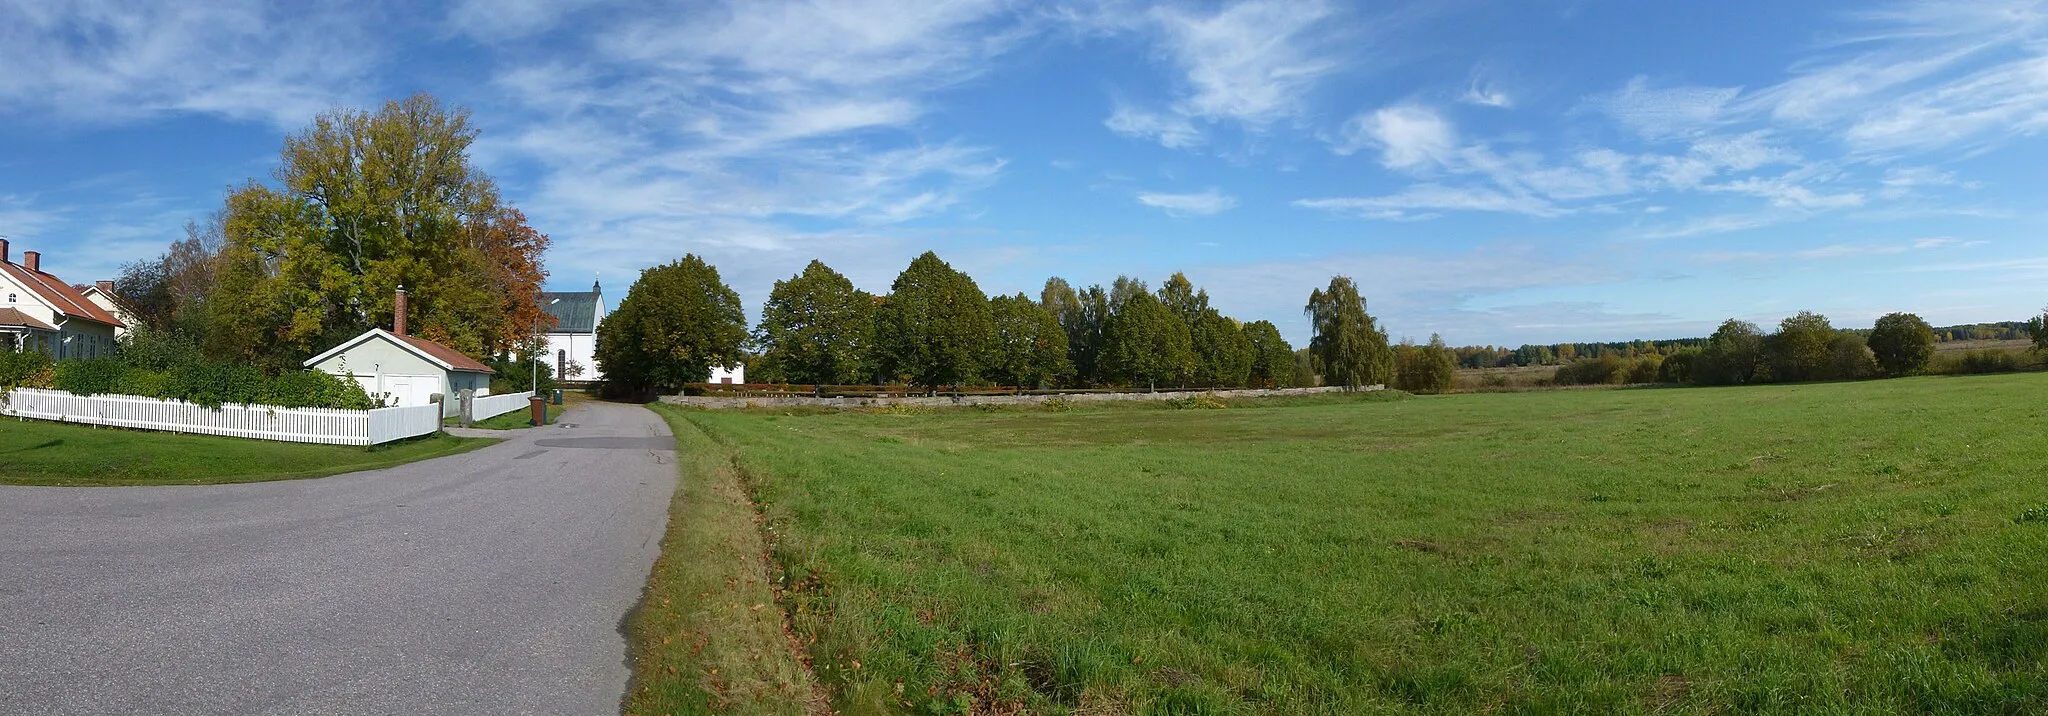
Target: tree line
[1805, 347]
[937, 328]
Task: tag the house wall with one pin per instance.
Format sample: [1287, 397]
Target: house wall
[74, 338]
[372, 360]
[18, 297]
[106, 302]
[580, 347]
[735, 374]
[84, 339]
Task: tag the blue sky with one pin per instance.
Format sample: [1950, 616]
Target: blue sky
[1498, 172]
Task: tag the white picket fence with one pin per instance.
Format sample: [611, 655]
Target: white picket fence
[262, 422]
[491, 406]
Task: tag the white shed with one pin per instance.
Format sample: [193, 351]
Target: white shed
[402, 369]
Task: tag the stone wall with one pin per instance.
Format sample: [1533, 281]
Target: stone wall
[717, 402]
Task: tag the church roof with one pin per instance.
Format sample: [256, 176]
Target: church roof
[575, 311]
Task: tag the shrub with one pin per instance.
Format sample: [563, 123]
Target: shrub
[1849, 358]
[1604, 370]
[1678, 367]
[1056, 405]
[211, 384]
[1202, 401]
[26, 369]
[1645, 368]
[100, 376]
[1978, 361]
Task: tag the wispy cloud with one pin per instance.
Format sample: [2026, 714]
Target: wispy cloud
[1668, 111]
[757, 134]
[1427, 201]
[1248, 64]
[1408, 136]
[1172, 131]
[113, 62]
[1205, 203]
[1834, 251]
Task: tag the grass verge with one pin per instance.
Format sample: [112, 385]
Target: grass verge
[709, 637]
[514, 420]
[34, 452]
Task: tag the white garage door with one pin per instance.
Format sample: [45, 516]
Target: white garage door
[410, 390]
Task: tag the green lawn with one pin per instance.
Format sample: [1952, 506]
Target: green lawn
[34, 452]
[1873, 547]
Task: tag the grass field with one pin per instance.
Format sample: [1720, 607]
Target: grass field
[1873, 547]
[34, 452]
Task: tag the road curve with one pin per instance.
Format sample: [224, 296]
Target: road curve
[492, 582]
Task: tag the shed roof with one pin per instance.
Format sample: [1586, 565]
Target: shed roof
[440, 355]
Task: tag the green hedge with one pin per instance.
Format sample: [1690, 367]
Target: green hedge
[27, 369]
[211, 384]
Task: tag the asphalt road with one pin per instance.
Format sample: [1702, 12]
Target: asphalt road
[492, 582]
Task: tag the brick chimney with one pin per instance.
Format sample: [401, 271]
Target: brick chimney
[398, 313]
[3, 251]
[106, 287]
[33, 260]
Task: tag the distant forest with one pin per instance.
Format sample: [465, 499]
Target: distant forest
[1563, 353]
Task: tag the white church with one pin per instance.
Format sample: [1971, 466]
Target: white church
[572, 343]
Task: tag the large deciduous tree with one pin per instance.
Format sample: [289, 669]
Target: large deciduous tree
[2037, 328]
[1732, 355]
[1902, 342]
[1272, 357]
[364, 203]
[1030, 347]
[1223, 353]
[1348, 343]
[1147, 344]
[676, 322]
[1082, 315]
[1799, 350]
[934, 329]
[1180, 296]
[817, 328]
[1425, 368]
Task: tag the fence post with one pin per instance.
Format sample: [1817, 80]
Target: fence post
[468, 407]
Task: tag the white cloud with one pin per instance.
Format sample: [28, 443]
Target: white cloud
[1484, 92]
[1408, 136]
[1666, 112]
[1169, 130]
[1786, 194]
[105, 62]
[721, 131]
[1205, 203]
[1249, 63]
[1833, 251]
[1423, 201]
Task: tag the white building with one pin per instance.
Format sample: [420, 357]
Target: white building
[572, 342]
[404, 370]
[40, 312]
[101, 293]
